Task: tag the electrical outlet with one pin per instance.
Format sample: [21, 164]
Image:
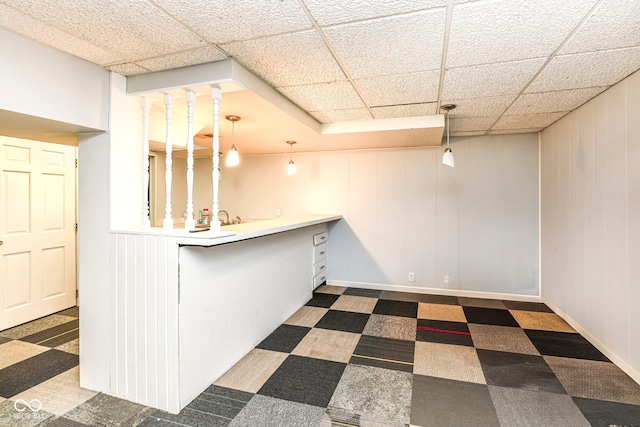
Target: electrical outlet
[446, 278]
[278, 212]
[412, 277]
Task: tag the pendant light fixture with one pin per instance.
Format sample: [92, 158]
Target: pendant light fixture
[233, 159]
[291, 168]
[447, 158]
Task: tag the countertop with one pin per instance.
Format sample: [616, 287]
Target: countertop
[238, 232]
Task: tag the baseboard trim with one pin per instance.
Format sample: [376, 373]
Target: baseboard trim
[435, 291]
[628, 369]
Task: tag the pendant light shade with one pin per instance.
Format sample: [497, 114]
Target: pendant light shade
[447, 157]
[291, 167]
[233, 158]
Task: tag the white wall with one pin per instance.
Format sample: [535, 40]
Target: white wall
[590, 210]
[43, 82]
[406, 212]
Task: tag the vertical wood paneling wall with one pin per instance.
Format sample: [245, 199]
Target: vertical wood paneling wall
[590, 217]
[143, 314]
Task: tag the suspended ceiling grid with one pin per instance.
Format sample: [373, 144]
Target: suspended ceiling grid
[511, 66]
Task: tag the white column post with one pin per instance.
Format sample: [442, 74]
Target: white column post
[167, 223]
[216, 96]
[189, 222]
[146, 105]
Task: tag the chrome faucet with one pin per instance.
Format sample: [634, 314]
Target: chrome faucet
[227, 214]
[238, 220]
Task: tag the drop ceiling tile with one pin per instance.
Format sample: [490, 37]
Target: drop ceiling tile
[132, 29]
[324, 96]
[526, 121]
[182, 59]
[400, 88]
[51, 36]
[591, 69]
[335, 116]
[224, 21]
[549, 102]
[394, 45]
[496, 31]
[471, 124]
[288, 59]
[615, 24]
[328, 12]
[487, 106]
[407, 110]
[127, 69]
[489, 80]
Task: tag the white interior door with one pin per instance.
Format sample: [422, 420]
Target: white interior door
[37, 230]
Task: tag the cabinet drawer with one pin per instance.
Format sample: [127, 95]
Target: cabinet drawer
[319, 252]
[319, 280]
[320, 238]
[320, 267]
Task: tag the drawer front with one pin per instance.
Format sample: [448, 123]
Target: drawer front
[319, 252]
[320, 238]
[320, 267]
[319, 280]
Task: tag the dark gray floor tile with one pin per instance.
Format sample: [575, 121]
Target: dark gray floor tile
[152, 421]
[214, 406]
[23, 375]
[359, 292]
[304, 380]
[439, 402]
[322, 300]
[481, 302]
[383, 352]
[345, 321]
[444, 332]
[284, 339]
[601, 413]
[489, 316]
[109, 411]
[442, 299]
[269, 411]
[62, 422]
[564, 344]
[517, 407]
[515, 370]
[55, 331]
[527, 306]
[61, 339]
[228, 393]
[396, 308]
[5, 339]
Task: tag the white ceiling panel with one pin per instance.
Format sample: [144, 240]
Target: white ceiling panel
[593, 69]
[471, 124]
[408, 110]
[134, 27]
[182, 59]
[324, 96]
[34, 29]
[396, 45]
[489, 106]
[224, 21]
[615, 24]
[400, 88]
[562, 100]
[328, 12]
[334, 116]
[528, 121]
[288, 59]
[489, 80]
[489, 31]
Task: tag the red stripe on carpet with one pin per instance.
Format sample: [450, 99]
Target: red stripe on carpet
[446, 331]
